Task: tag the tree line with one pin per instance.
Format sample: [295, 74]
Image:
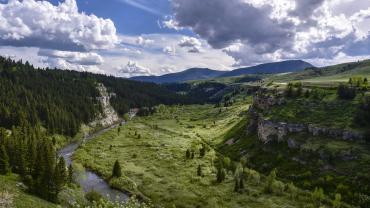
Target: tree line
[30, 153]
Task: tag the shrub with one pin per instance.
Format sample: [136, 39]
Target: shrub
[277, 187]
[337, 201]
[93, 196]
[292, 190]
[318, 196]
[252, 176]
[270, 181]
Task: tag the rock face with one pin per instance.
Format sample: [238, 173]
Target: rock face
[278, 131]
[263, 100]
[269, 131]
[109, 116]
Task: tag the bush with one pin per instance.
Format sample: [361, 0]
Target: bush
[337, 201]
[252, 176]
[278, 187]
[292, 190]
[318, 196]
[93, 196]
[270, 181]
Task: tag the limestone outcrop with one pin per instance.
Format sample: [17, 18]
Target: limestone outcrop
[268, 130]
[109, 116]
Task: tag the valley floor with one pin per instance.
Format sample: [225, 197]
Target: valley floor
[152, 152]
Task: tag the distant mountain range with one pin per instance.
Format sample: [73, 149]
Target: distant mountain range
[205, 73]
[187, 75]
[270, 68]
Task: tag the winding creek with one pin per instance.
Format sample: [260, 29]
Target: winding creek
[88, 180]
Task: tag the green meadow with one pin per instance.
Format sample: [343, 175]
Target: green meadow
[151, 151]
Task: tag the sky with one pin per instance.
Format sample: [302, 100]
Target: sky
[128, 38]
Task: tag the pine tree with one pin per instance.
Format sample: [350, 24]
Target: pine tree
[117, 172]
[236, 186]
[202, 151]
[187, 155]
[4, 161]
[199, 171]
[70, 173]
[60, 175]
[221, 174]
[241, 183]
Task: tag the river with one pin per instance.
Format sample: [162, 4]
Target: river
[88, 180]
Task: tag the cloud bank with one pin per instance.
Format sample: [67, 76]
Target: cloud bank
[255, 31]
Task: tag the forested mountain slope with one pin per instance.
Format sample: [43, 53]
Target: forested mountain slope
[62, 100]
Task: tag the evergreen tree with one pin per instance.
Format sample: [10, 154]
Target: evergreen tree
[236, 186]
[117, 172]
[60, 175]
[4, 161]
[221, 174]
[199, 170]
[289, 90]
[70, 174]
[202, 151]
[241, 182]
[307, 94]
[187, 155]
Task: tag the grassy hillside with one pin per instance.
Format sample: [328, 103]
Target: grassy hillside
[327, 75]
[12, 195]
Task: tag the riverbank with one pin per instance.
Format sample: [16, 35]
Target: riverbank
[87, 179]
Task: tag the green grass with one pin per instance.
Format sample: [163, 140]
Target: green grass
[154, 163]
[9, 187]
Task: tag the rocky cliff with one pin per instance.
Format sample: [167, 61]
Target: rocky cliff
[108, 116]
[271, 130]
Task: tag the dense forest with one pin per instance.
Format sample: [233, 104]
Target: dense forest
[62, 100]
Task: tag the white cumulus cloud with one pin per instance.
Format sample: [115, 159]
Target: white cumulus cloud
[61, 27]
[131, 69]
[143, 41]
[194, 45]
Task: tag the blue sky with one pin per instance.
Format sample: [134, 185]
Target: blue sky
[130, 17]
[144, 37]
